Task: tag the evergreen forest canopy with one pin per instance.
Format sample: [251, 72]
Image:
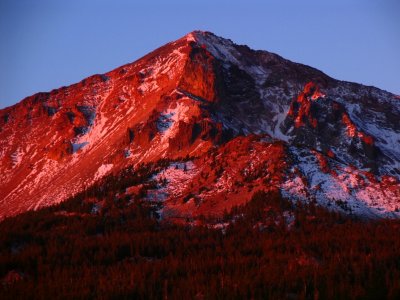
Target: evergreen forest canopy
[270, 248]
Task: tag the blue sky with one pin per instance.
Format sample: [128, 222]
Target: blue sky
[45, 44]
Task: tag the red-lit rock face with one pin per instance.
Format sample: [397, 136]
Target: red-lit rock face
[226, 108]
[198, 76]
[225, 177]
[352, 131]
[54, 144]
[300, 109]
[220, 179]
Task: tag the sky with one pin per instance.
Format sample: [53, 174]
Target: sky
[46, 44]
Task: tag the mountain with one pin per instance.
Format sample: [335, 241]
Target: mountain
[226, 121]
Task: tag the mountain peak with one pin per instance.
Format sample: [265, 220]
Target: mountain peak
[221, 48]
[191, 98]
[198, 35]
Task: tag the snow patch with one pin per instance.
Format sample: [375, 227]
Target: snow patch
[78, 146]
[102, 170]
[172, 180]
[343, 187]
[16, 157]
[171, 117]
[164, 121]
[127, 153]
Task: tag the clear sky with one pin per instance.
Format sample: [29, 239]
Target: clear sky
[45, 44]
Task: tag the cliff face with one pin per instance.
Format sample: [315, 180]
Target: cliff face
[249, 119]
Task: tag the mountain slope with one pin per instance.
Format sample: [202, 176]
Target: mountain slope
[223, 108]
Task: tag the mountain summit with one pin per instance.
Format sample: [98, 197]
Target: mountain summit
[225, 121]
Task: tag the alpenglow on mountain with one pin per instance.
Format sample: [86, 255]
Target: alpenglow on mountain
[226, 120]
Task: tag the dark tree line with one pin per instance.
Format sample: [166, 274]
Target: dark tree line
[272, 249]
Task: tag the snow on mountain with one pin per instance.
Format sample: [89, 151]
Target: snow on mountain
[246, 119]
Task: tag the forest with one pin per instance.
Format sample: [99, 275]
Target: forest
[270, 248]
